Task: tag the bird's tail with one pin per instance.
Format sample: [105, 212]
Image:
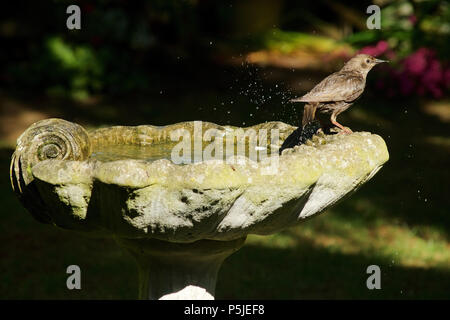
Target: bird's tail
[309, 113]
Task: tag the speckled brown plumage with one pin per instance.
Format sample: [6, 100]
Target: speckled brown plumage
[338, 91]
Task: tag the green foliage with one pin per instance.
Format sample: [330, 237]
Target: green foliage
[113, 53]
[409, 25]
[77, 64]
[121, 44]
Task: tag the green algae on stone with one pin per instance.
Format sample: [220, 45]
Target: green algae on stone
[211, 199]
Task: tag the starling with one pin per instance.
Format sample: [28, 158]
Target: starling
[338, 91]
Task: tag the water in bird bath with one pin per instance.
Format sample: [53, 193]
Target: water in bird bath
[153, 152]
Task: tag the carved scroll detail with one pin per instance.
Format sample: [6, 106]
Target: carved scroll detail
[46, 139]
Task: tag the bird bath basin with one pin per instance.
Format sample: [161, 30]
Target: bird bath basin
[181, 216]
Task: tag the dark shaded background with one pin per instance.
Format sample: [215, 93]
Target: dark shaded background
[239, 63]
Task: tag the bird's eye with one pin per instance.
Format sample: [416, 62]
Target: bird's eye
[367, 61]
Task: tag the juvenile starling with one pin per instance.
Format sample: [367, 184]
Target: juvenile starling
[338, 91]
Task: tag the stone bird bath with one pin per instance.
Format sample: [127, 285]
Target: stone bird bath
[180, 221]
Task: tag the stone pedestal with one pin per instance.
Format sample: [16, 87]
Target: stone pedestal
[177, 271]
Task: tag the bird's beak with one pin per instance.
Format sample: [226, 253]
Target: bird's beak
[377, 61]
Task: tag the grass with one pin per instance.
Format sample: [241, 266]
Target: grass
[399, 221]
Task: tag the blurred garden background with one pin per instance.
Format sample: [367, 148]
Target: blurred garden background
[238, 63]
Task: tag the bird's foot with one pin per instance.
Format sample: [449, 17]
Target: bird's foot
[339, 130]
[345, 130]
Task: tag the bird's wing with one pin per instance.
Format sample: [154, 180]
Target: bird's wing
[336, 87]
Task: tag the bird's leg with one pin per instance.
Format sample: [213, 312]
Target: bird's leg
[345, 130]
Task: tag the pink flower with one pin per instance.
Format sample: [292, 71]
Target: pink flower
[421, 73]
[382, 46]
[412, 19]
[377, 50]
[368, 50]
[417, 62]
[433, 77]
[434, 72]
